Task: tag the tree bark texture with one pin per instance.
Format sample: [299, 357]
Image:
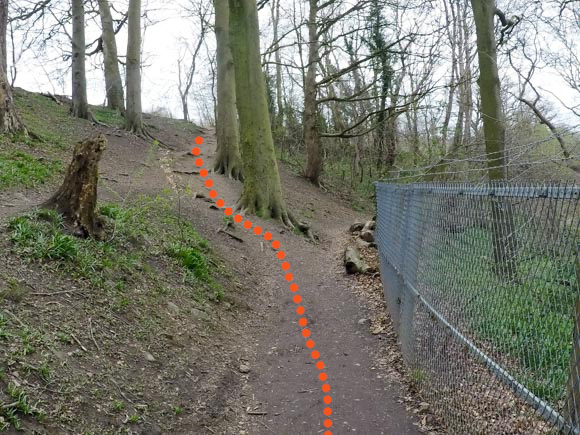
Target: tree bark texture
[262, 192]
[228, 159]
[133, 116]
[80, 105]
[503, 228]
[9, 120]
[311, 137]
[113, 82]
[76, 199]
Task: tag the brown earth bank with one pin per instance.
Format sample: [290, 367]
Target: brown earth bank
[170, 326]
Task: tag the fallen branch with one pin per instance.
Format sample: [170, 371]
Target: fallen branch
[54, 294]
[92, 335]
[79, 343]
[186, 172]
[233, 236]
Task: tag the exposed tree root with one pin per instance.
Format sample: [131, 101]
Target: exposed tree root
[275, 210]
[232, 170]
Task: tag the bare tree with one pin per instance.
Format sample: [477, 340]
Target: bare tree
[262, 192]
[113, 82]
[228, 159]
[80, 105]
[134, 116]
[9, 119]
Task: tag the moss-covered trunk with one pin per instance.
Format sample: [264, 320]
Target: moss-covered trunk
[228, 159]
[262, 193]
[133, 116]
[80, 105]
[113, 83]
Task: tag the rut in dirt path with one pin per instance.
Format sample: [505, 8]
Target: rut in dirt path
[283, 393]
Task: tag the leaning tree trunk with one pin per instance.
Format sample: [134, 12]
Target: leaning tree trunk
[80, 105]
[133, 116]
[311, 136]
[262, 193]
[76, 199]
[504, 237]
[113, 82]
[9, 119]
[228, 159]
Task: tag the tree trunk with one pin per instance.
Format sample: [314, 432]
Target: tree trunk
[228, 159]
[262, 192]
[76, 199]
[134, 117]
[278, 59]
[311, 136]
[489, 84]
[9, 119]
[80, 105]
[113, 82]
[504, 242]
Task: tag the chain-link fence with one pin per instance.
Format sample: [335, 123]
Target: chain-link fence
[481, 282]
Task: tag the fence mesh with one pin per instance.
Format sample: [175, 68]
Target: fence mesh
[481, 282]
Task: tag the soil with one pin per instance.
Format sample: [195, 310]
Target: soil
[249, 371]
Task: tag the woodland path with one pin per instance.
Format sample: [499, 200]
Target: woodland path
[283, 384]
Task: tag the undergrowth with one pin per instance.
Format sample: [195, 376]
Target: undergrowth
[137, 234]
[528, 320]
[19, 168]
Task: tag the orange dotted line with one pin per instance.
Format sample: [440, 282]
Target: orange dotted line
[281, 255]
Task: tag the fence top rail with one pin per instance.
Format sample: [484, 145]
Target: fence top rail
[497, 189]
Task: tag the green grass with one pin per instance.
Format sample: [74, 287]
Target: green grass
[529, 321]
[107, 116]
[135, 234]
[20, 406]
[19, 168]
[50, 121]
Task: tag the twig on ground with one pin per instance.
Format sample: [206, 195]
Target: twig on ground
[55, 293]
[92, 335]
[16, 319]
[175, 171]
[233, 236]
[79, 343]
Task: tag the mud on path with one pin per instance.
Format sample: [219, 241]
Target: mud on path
[281, 393]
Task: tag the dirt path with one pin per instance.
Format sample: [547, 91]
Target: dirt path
[282, 385]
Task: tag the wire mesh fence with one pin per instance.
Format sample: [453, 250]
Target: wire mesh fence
[481, 282]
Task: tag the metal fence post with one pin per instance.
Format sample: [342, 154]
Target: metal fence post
[413, 241]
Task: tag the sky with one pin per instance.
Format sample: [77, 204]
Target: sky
[163, 43]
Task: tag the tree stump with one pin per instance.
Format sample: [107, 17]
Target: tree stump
[76, 199]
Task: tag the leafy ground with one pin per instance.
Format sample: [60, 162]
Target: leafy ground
[113, 336]
[169, 326]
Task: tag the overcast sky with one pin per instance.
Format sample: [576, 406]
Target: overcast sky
[163, 43]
